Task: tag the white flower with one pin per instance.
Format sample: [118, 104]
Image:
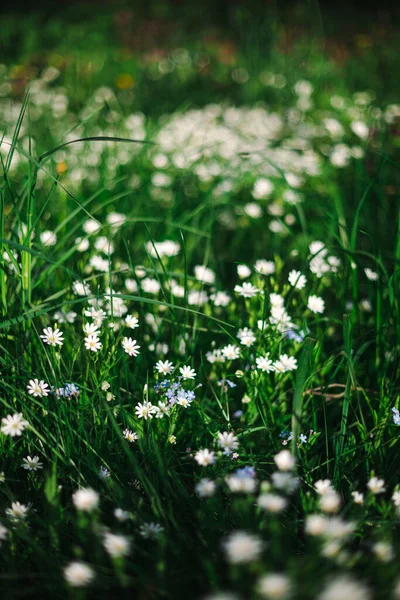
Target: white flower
[247, 290]
[220, 299]
[80, 288]
[265, 267]
[265, 364]
[345, 588]
[129, 435]
[48, 238]
[116, 545]
[31, 464]
[204, 457]
[150, 531]
[91, 329]
[163, 409]
[272, 503]
[230, 352]
[316, 304]
[97, 314]
[329, 502]
[78, 574]
[323, 486]
[383, 551]
[243, 271]
[284, 460]
[376, 485]
[85, 499]
[297, 280]
[241, 484]
[276, 300]
[52, 337]
[274, 586]
[228, 442]
[316, 525]
[187, 372]
[3, 533]
[131, 322]
[91, 226]
[262, 188]
[253, 210]
[242, 547]
[164, 367]
[17, 511]
[358, 497]
[64, 317]
[205, 487]
[130, 346]
[150, 286]
[121, 515]
[285, 363]
[372, 275]
[92, 343]
[145, 411]
[38, 388]
[13, 425]
[204, 274]
[396, 498]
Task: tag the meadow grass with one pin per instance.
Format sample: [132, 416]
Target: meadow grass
[200, 328]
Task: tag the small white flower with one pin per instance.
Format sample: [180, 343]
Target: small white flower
[274, 586]
[131, 322]
[129, 435]
[150, 531]
[358, 497]
[230, 352]
[91, 329]
[247, 290]
[85, 499]
[38, 388]
[92, 343]
[242, 547]
[330, 502]
[228, 442]
[187, 372]
[48, 238]
[297, 280]
[205, 487]
[323, 486]
[146, 410]
[78, 574]
[272, 503]
[243, 271]
[130, 346]
[204, 274]
[52, 337]
[316, 304]
[31, 464]
[265, 267]
[376, 485]
[121, 515]
[265, 364]
[17, 512]
[285, 363]
[164, 367]
[116, 545]
[344, 588]
[284, 460]
[371, 275]
[204, 457]
[13, 425]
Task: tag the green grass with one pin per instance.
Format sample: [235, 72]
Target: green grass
[181, 151]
